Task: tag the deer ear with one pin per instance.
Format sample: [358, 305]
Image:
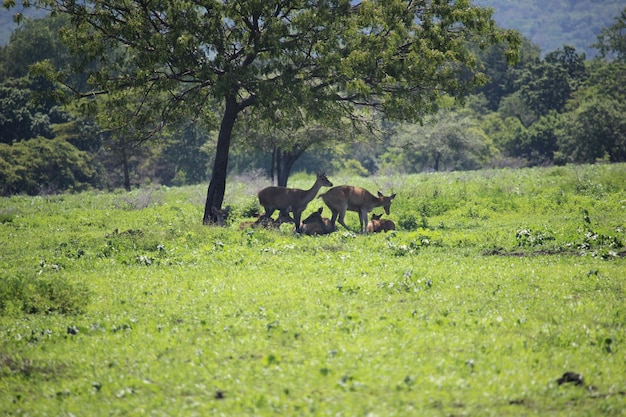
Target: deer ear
[380, 194]
[393, 196]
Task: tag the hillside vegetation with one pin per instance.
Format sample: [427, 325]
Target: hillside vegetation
[552, 24]
[501, 293]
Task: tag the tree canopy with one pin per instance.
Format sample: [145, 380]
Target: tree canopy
[290, 61]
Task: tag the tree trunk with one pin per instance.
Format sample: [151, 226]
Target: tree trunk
[273, 164]
[437, 159]
[125, 166]
[278, 168]
[217, 186]
[284, 164]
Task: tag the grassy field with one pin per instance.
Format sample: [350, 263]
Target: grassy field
[495, 285]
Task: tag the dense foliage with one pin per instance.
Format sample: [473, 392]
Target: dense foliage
[161, 64]
[555, 109]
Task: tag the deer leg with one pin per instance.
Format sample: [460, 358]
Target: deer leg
[363, 220]
[269, 212]
[297, 215]
[341, 222]
[333, 218]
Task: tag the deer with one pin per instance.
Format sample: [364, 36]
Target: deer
[377, 225]
[315, 224]
[261, 221]
[282, 198]
[221, 215]
[267, 222]
[346, 197]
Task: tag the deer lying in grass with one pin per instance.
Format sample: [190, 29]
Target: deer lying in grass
[267, 222]
[315, 224]
[377, 225]
[221, 215]
[281, 198]
[346, 197]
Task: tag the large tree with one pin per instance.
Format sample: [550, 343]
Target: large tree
[287, 60]
[547, 85]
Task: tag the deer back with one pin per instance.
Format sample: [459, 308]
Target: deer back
[347, 197]
[315, 224]
[283, 197]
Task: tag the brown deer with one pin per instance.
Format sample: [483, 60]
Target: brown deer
[261, 221]
[294, 199]
[346, 197]
[315, 224]
[267, 222]
[377, 225]
[221, 215]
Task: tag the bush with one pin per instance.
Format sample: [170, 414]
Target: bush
[41, 295]
[408, 221]
[43, 165]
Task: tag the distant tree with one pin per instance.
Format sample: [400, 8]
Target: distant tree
[33, 50]
[284, 145]
[538, 143]
[288, 147]
[612, 40]
[596, 130]
[503, 131]
[28, 102]
[449, 140]
[183, 157]
[42, 166]
[303, 60]
[607, 72]
[515, 106]
[548, 84]
[502, 77]
[572, 62]
[34, 41]
[21, 117]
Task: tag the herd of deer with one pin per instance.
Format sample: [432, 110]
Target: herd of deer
[338, 199]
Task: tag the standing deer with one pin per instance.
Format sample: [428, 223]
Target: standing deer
[377, 225]
[291, 199]
[315, 224]
[346, 197]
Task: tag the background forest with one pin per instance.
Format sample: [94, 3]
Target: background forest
[557, 106]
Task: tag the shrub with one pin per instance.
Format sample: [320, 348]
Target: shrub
[6, 217]
[407, 222]
[527, 237]
[33, 295]
[43, 165]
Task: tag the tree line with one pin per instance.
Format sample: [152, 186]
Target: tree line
[93, 104]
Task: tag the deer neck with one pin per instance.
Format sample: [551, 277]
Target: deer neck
[312, 192]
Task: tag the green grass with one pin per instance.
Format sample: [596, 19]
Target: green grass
[497, 283]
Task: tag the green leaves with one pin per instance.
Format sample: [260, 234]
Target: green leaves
[47, 294]
[44, 165]
[390, 54]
